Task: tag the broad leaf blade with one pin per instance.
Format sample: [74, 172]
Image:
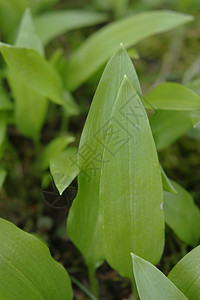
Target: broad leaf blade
[186, 276]
[182, 215]
[34, 70]
[101, 45]
[83, 221]
[63, 169]
[51, 24]
[27, 270]
[131, 186]
[152, 284]
[173, 96]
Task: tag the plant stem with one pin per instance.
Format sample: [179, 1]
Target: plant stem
[93, 280]
[83, 288]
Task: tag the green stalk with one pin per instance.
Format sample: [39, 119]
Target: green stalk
[94, 285]
[83, 288]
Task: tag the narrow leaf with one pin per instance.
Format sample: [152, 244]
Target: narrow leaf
[34, 70]
[173, 96]
[182, 215]
[30, 106]
[51, 24]
[130, 198]
[168, 126]
[186, 276]
[27, 37]
[63, 168]
[27, 270]
[152, 284]
[54, 148]
[83, 220]
[99, 47]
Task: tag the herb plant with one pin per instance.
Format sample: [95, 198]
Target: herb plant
[124, 196]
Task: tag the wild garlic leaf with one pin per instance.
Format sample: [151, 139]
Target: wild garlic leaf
[27, 269]
[182, 215]
[34, 70]
[54, 23]
[131, 213]
[152, 284]
[53, 148]
[168, 126]
[27, 37]
[173, 96]
[30, 105]
[97, 49]
[83, 221]
[64, 168]
[186, 276]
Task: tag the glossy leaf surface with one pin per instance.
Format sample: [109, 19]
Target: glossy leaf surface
[185, 275]
[152, 284]
[27, 270]
[84, 214]
[64, 168]
[131, 215]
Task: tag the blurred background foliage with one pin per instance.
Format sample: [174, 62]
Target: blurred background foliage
[172, 56]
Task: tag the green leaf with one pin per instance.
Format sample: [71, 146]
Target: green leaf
[34, 70]
[83, 221]
[102, 44]
[70, 107]
[182, 215]
[5, 103]
[27, 37]
[168, 126]
[27, 270]
[186, 276]
[3, 174]
[63, 168]
[173, 96]
[54, 148]
[10, 15]
[152, 284]
[30, 106]
[131, 186]
[51, 24]
[167, 185]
